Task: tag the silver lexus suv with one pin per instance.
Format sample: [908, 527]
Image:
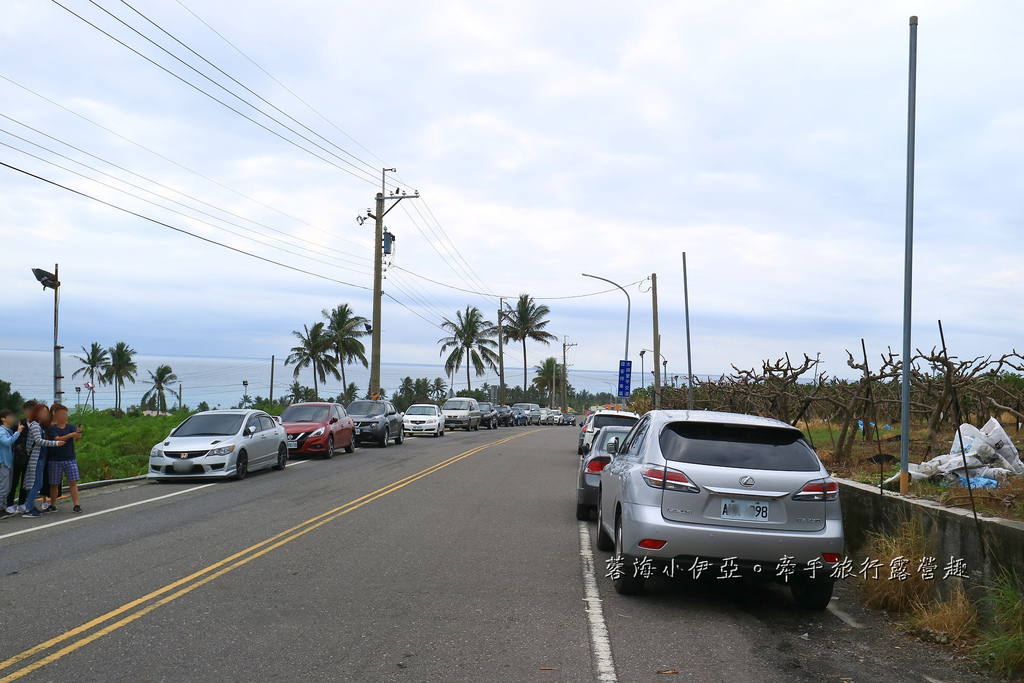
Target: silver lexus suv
[724, 495]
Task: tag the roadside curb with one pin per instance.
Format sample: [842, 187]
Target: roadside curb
[108, 482]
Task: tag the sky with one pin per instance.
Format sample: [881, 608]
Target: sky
[546, 140]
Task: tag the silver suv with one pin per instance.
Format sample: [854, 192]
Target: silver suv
[735, 495]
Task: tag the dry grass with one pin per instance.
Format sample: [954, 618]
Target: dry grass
[955, 616]
[894, 595]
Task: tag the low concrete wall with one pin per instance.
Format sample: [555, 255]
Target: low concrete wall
[951, 531]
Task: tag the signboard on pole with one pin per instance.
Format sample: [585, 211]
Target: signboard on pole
[625, 376]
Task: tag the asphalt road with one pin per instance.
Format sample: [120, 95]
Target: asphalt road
[451, 559]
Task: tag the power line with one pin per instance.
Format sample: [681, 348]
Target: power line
[181, 230]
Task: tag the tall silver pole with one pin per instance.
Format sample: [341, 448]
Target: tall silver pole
[686, 307]
[908, 264]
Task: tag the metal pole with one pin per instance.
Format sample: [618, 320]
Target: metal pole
[501, 353]
[656, 399]
[908, 264]
[272, 381]
[686, 307]
[58, 393]
[625, 356]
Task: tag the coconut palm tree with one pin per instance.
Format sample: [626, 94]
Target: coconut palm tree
[314, 350]
[471, 341]
[527, 320]
[94, 362]
[438, 389]
[344, 329]
[548, 377]
[159, 385]
[120, 369]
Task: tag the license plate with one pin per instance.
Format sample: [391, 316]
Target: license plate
[756, 510]
[293, 444]
[359, 431]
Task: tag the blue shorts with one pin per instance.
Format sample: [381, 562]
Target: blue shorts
[58, 468]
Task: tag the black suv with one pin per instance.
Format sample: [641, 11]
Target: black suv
[488, 415]
[504, 416]
[377, 421]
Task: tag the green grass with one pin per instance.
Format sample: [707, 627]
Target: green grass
[1002, 648]
[114, 448]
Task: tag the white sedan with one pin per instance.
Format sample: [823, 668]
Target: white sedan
[423, 418]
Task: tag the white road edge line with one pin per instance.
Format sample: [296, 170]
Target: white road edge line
[600, 643]
[102, 512]
[844, 617]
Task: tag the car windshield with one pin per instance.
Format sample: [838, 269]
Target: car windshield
[744, 446]
[457, 405]
[305, 413]
[421, 410]
[366, 408]
[522, 406]
[613, 420]
[485, 406]
[210, 424]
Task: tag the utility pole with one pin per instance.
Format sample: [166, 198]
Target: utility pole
[689, 363]
[501, 353]
[271, 380]
[657, 342]
[381, 210]
[565, 373]
[180, 404]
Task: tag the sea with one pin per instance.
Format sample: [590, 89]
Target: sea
[218, 380]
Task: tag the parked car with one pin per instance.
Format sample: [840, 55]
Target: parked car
[377, 421]
[590, 469]
[527, 410]
[461, 412]
[488, 415]
[520, 416]
[604, 418]
[543, 419]
[580, 450]
[736, 491]
[424, 418]
[504, 415]
[318, 428]
[569, 419]
[220, 444]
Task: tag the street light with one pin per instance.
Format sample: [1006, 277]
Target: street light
[625, 355]
[642, 352]
[49, 281]
[78, 397]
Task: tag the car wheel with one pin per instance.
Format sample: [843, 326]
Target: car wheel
[812, 594]
[329, 453]
[469, 427]
[583, 512]
[626, 584]
[579, 449]
[282, 457]
[604, 541]
[241, 465]
[351, 447]
[441, 431]
[383, 442]
[400, 439]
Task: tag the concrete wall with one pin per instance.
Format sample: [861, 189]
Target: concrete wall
[952, 531]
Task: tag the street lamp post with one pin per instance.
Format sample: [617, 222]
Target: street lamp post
[642, 352]
[245, 393]
[78, 397]
[49, 281]
[625, 355]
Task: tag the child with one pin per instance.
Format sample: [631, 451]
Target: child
[7, 438]
[61, 461]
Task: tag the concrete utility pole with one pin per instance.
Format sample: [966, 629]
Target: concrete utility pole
[565, 373]
[657, 342]
[377, 215]
[271, 380]
[501, 352]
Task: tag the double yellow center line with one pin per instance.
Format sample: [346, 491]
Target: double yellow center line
[88, 632]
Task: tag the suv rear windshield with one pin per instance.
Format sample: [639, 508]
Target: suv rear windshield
[616, 420]
[305, 413]
[745, 446]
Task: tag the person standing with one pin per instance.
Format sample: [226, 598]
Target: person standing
[61, 461]
[16, 496]
[39, 418]
[7, 438]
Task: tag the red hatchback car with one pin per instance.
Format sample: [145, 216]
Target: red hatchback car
[318, 429]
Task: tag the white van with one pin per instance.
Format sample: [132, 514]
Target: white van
[461, 411]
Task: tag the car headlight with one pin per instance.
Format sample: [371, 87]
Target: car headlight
[156, 452]
[223, 450]
[319, 432]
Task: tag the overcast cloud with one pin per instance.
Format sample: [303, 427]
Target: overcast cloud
[766, 140]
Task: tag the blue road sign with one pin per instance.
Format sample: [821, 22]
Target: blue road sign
[625, 375]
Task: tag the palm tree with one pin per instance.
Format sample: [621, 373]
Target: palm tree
[350, 394]
[470, 341]
[344, 329]
[94, 362]
[527, 321]
[438, 389]
[314, 350]
[164, 376]
[121, 367]
[549, 377]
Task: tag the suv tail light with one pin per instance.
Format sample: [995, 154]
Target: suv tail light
[597, 464]
[668, 479]
[820, 489]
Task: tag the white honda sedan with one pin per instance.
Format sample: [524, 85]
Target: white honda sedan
[220, 444]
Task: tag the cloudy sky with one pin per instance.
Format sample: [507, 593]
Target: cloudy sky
[767, 140]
